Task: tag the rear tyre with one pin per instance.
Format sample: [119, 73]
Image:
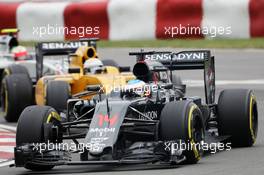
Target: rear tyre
[12, 69]
[16, 94]
[238, 116]
[58, 92]
[30, 129]
[16, 69]
[182, 120]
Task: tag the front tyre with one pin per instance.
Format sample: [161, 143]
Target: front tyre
[182, 120]
[58, 92]
[30, 129]
[238, 116]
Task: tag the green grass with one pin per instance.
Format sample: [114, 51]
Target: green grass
[220, 43]
[180, 43]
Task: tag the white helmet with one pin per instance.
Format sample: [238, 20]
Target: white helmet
[93, 65]
[20, 52]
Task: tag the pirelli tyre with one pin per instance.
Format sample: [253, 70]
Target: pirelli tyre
[16, 69]
[33, 125]
[182, 120]
[238, 116]
[13, 69]
[57, 94]
[16, 94]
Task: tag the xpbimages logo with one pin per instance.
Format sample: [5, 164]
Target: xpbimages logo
[81, 31]
[211, 31]
[94, 145]
[175, 147]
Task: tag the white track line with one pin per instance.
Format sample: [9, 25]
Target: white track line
[6, 163]
[10, 128]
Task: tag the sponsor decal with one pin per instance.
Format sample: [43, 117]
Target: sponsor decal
[101, 132]
[175, 57]
[97, 144]
[150, 114]
[189, 56]
[98, 139]
[61, 45]
[158, 57]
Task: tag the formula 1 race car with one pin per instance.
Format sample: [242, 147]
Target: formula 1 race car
[52, 85]
[18, 80]
[10, 50]
[143, 122]
[85, 68]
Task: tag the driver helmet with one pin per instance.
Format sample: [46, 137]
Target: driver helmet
[20, 52]
[93, 65]
[136, 86]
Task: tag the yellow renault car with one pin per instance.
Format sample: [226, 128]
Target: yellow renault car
[85, 69]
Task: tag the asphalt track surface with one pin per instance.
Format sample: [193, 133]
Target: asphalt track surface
[234, 69]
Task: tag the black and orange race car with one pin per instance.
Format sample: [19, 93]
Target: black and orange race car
[150, 120]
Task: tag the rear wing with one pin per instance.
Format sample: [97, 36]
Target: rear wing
[58, 48]
[187, 60]
[198, 59]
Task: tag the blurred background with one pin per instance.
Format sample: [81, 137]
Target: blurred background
[139, 23]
